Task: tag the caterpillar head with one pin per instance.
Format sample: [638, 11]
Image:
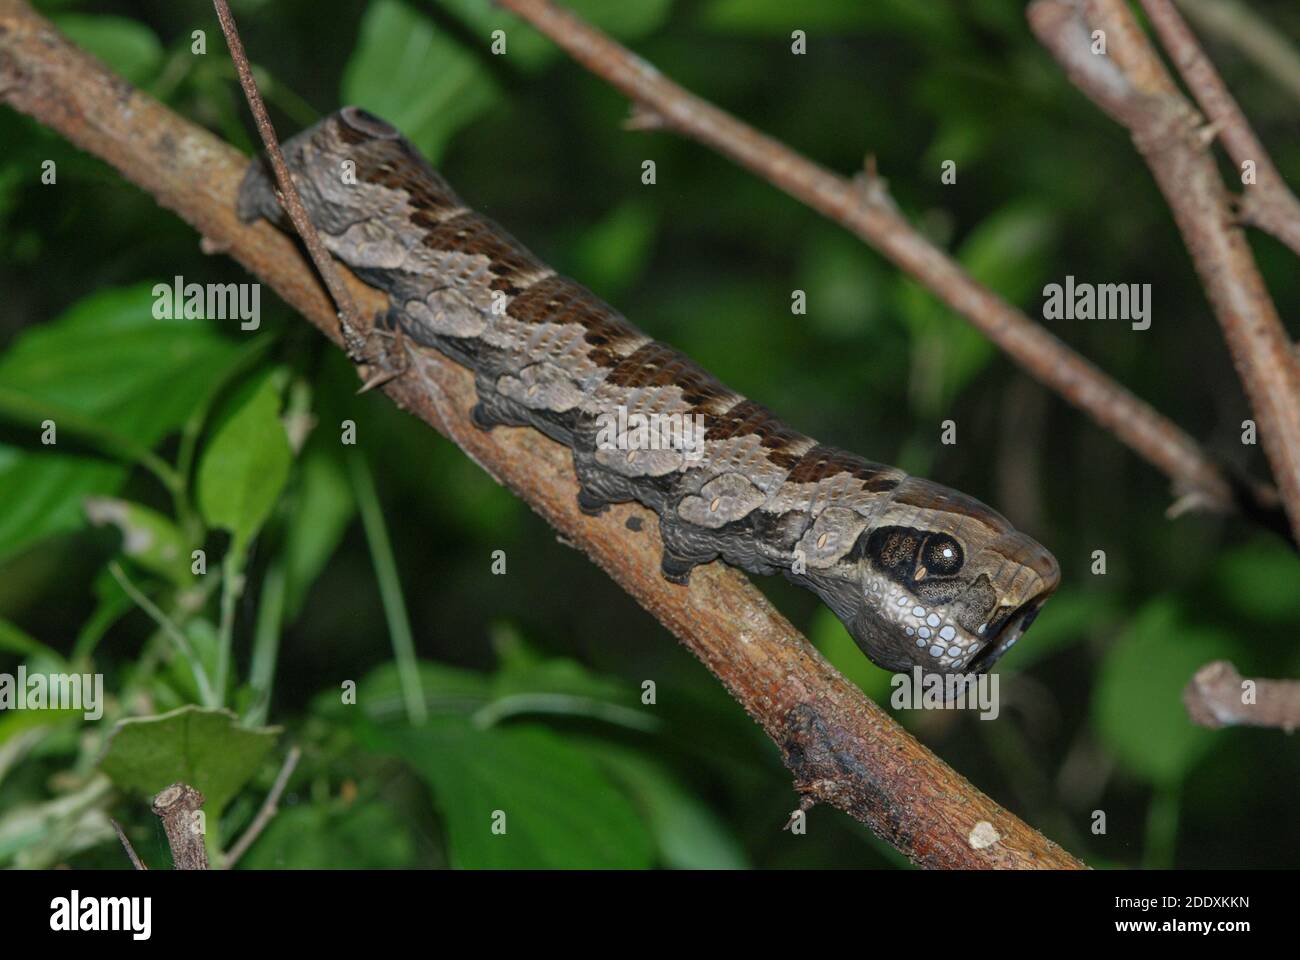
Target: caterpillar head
[938, 580]
[358, 178]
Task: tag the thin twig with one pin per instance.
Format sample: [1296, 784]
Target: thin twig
[270, 807]
[289, 199]
[844, 749]
[126, 845]
[1130, 84]
[1218, 696]
[863, 207]
[1257, 39]
[1268, 202]
[169, 627]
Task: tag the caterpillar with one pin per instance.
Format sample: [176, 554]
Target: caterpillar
[920, 575]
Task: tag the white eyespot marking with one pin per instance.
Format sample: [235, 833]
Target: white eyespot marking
[920, 642]
[925, 632]
[947, 553]
[902, 601]
[936, 651]
[954, 651]
[948, 632]
[910, 631]
[932, 619]
[918, 611]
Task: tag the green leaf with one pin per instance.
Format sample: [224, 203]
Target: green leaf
[1258, 580]
[364, 836]
[15, 722]
[16, 640]
[609, 254]
[529, 683]
[39, 836]
[688, 834]
[109, 361]
[245, 465]
[148, 537]
[379, 695]
[430, 84]
[206, 749]
[410, 72]
[1138, 710]
[129, 47]
[1007, 253]
[844, 288]
[177, 685]
[559, 809]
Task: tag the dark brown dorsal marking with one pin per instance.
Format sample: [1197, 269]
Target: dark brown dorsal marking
[822, 461]
[394, 165]
[748, 417]
[656, 364]
[560, 300]
[475, 235]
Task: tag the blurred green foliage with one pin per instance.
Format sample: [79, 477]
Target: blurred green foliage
[176, 436]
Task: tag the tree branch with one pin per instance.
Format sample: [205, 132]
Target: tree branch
[177, 807]
[1167, 132]
[1268, 202]
[843, 749]
[1238, 24]
[1218, 696]
[863, 207]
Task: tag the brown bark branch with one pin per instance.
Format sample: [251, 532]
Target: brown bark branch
[1268, 203]
[1218, 696]
[843, 749]
[178, 807]
[1167, 132]
[1255, 38]
[863, 207]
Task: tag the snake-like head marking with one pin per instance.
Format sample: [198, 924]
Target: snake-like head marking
[938, 580]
